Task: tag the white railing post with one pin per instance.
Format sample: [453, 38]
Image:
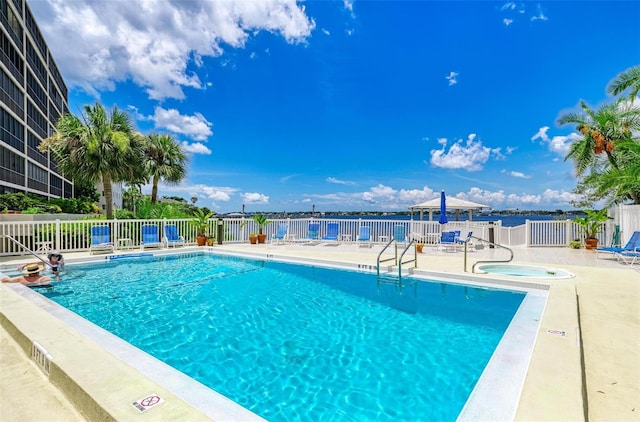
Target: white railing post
[57, 243]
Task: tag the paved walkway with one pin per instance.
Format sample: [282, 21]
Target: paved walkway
[25, 392]
[599, 308]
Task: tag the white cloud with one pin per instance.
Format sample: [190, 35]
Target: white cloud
[196, 126]
[98, 44]
[507, 22]
[558, 144]
[255, 198]
[517, 174]
[382, 197]
[195, 148]
[508, 6]
[348, 4]
[325, 31]
[339, 182]
[216, 193]
[539, 16]
[483, 196]
[452, 77]
[469, 155]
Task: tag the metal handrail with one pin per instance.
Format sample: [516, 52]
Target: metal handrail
[25, 248]
[400, 261]
[378, 261]
[473, 268]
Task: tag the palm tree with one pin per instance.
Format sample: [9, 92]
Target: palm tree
[622, 183]
[165, 160]
[629, 79]
[97, 146]
[601, 130]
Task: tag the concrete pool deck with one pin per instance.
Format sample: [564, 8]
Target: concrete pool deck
[590, 372]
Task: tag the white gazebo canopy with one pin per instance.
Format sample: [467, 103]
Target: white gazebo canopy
[453, 203]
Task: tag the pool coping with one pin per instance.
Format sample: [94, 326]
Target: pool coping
[200, 399]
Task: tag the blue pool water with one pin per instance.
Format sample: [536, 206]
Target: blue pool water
[294, 342]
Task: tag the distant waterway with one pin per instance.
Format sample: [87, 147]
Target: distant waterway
[507, 220]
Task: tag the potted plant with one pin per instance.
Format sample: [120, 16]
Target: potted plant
[575, 244]
[211, 240]
[261, 221]
[419, 247]
[591, 225]
[253, 238]
[201, 222]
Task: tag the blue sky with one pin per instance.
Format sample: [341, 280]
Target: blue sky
[350, 105]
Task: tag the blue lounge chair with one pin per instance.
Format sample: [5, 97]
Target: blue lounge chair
[281, 234]
[398, 234]
[332, 233]
[150, 238]
[629, 257]
[448, 241]
[171, 237]
[364, 237]
[632, 245]
[313, 234]
[101, 240]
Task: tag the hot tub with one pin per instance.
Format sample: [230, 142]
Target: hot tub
[529, 271]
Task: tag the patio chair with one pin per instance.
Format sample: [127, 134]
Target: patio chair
[281, 234]
[613, 251]
[399, 234]
[332, 233]
[149, 236]
[364, 237]
[313, 234]
[101, 240]
[448, 241]
[629, 257]
[171, 237]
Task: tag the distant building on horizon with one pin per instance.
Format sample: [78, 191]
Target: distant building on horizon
[33, 96]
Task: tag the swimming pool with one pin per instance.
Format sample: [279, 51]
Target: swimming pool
[525, 271]
[298, 342]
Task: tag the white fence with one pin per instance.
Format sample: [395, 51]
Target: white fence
[74, 236]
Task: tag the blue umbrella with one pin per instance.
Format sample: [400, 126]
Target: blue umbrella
[443, 209]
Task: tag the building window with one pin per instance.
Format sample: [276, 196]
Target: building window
[36, 121]
[37, 178]
[11, 131]
[11, 167]
[32, 149]
[11, 58]
[35, 33]
[10, 94]
[37, 94]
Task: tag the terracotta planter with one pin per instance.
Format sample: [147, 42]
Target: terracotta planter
[419, 247]
[262, 238]
[253, 239]
[591, 243]
[201, 240]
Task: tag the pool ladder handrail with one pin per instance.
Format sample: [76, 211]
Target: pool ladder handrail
[397, 260]
[473, 268]
[394, 258]
[25, 248]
